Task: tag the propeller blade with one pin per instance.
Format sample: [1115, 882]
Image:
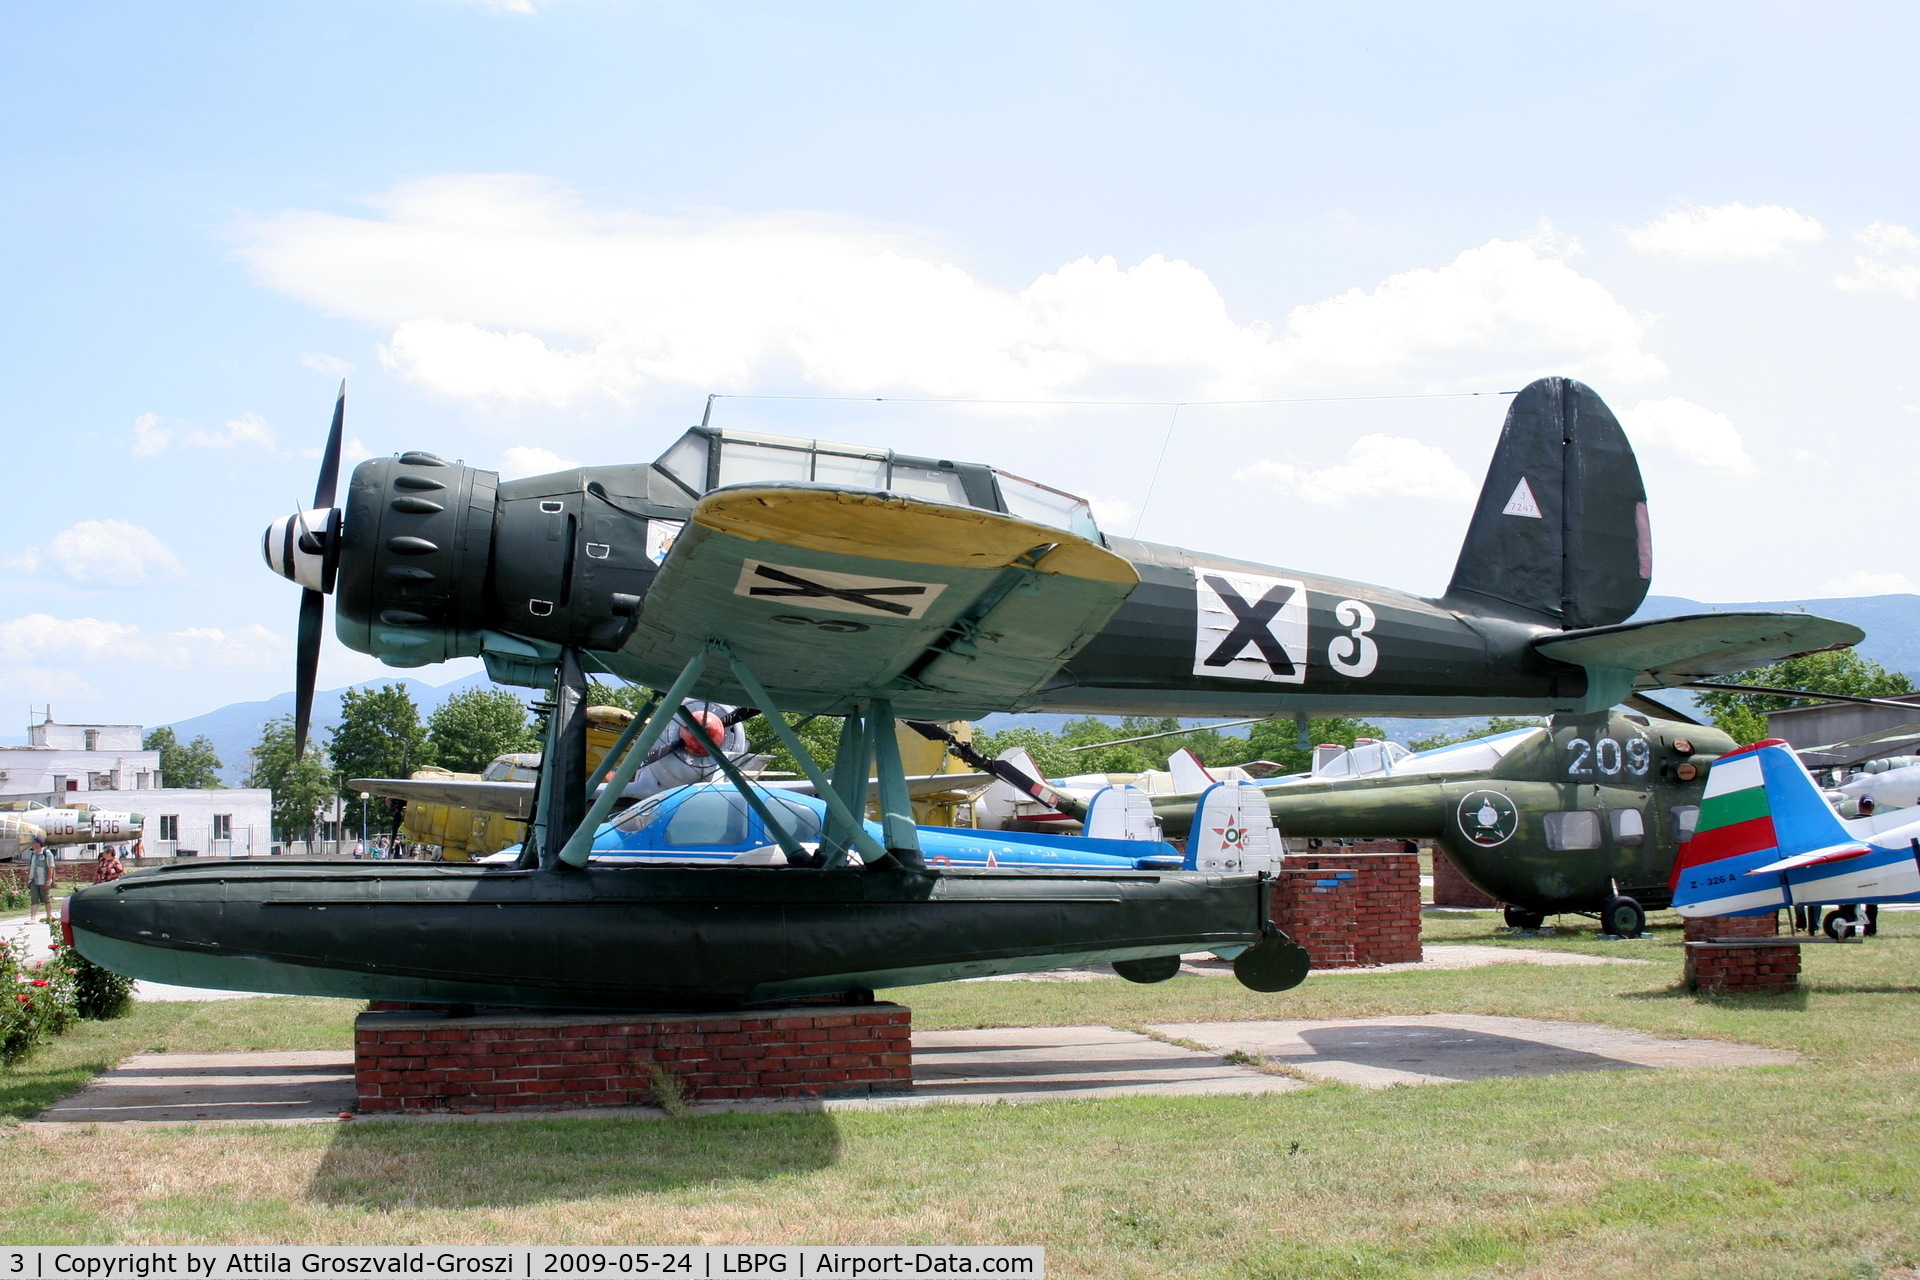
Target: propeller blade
[330, 459]
[313, 606]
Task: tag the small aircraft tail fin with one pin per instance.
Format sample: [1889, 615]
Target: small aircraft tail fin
[1190, 777]
[1560, 532]
[1233, 831]
[1120, 813]
[1761, 816]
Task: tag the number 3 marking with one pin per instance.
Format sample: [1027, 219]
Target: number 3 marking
[1354, 654]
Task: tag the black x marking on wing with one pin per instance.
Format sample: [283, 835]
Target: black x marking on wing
[863, 596]
[1250, 626]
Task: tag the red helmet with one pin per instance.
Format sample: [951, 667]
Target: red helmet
[716, 734]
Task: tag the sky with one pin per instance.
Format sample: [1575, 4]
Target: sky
[530, 233]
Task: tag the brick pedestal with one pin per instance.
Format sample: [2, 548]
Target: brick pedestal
[1451, 889]
[412, 1060]
[1351, 909]
[1735, 968]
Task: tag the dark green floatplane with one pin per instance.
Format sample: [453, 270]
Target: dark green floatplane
[647, 937]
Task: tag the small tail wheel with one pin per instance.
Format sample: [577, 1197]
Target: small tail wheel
[1275, 963]
[1623, 916]
[1521, 918]
[1841, 924]
[1151, 969]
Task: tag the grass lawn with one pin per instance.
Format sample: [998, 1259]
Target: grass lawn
[1802, 1171]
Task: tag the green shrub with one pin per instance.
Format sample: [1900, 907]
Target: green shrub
[41, 1001]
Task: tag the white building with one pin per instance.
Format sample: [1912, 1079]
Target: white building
[104, 766]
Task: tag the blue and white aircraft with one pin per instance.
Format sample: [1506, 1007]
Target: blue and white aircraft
[1766, 838]
[710, 823]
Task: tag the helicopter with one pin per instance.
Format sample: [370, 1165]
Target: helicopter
[801, 576]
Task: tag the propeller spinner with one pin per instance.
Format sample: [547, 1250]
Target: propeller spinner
[304, 548]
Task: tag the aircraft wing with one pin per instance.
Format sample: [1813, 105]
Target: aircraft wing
[1881, 742]
[833, 597]
[515, 799]
[1663, 652]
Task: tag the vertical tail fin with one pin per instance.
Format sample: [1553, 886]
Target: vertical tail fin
[1189, 775]
[1233, 830]
[1760, 812]
[1560, 533]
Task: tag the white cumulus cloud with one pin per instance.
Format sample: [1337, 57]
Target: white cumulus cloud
[1861, 582]
[1377, 466]
[1891, 261]
[1727, 232]
[1693, 431]
[525, 460]
[111, 553]
[39, 637]
[578, 302]
[152, 434]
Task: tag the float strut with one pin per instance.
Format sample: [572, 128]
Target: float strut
[870, 849]
[796, 855]
[580, 843]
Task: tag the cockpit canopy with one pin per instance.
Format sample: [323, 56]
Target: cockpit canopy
[706, 458]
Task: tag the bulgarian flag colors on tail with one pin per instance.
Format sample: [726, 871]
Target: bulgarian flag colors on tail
[1759, 805]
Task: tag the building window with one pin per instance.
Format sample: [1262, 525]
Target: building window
[1579, 829]
[93, 739]
[222, 826]
[169, 826]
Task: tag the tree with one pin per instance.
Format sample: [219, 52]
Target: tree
[819, 734]
[469, 729]
[194, 764]
[1742, 716]
[1494, 724]
[630, 697]
[1279, 740]
[380, 736]
[301, 789]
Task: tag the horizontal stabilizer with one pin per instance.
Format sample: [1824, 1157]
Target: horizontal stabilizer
[1839, 853]
[1677, 651]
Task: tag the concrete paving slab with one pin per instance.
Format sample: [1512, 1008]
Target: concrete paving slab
[1024, 1064]
[1010, 1064]
[1443, 1048]
[300, 1087]
[1451, 955]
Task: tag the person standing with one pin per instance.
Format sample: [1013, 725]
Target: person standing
[40, 864]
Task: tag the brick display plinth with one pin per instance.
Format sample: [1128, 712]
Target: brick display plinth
[408, 1060]
[1718, 968]
[1451, 889]
[1351, 909]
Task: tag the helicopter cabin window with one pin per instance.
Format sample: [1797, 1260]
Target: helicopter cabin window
[708, 818]
[798, 821]
[687, 461]
[1042, 505]
[1629, 826]
[928, 482]
[759, 463]
[1578, 829]
[1684, 817]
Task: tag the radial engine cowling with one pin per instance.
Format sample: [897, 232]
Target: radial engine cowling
[417, 538]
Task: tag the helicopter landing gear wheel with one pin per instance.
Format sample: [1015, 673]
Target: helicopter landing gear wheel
[1521, 918]
[1151, 969]
[1623, 917]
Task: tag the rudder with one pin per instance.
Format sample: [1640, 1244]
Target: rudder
[1560, 532]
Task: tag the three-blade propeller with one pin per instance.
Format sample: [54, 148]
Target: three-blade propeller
[305, 548]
